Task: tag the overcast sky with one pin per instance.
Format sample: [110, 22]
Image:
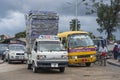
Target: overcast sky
[12, 14]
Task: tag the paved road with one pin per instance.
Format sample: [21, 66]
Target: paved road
[95, 72]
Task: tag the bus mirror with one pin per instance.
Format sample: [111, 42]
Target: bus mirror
[67, 49]
[65, 45]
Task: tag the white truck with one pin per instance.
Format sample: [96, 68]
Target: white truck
[43, 47]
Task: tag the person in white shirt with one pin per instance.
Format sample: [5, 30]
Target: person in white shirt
[102, 49]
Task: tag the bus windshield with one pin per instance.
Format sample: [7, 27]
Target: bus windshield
[79, 40]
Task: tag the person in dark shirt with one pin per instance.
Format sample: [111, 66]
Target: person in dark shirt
[115, 51]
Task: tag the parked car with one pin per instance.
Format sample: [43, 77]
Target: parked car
[15, 52]
[3, 47]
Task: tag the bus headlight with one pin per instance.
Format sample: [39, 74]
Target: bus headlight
[73, 57]
[93, 55]
[41, 57]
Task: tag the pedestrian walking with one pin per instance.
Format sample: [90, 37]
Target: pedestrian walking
[115, 51]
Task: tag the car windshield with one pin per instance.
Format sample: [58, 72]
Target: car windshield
[50, 46]
[79, 40]
[16, 48]
[3, 47]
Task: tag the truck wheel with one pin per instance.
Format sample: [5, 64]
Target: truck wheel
[22, 62]
[88, 64]
[29, 66]
[5, 60]
[9, 61]
[62, 69]
[34, 69]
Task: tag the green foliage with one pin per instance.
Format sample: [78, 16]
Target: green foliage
[92, 35]
[73, 25]
[1, 41]
[20, 34]
[108, 19]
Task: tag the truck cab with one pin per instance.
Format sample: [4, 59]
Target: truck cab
[48, 52]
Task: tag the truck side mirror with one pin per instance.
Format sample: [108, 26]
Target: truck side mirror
[7, 49]
[35, 49]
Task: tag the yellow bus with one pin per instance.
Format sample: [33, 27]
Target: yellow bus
[80, 47]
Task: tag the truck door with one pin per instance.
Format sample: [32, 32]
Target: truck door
[34, 51]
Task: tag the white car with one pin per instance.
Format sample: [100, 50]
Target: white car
[15, 52]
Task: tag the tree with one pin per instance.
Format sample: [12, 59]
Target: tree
[73, 25]
[20, 34]
[107, 16]
[92, 35]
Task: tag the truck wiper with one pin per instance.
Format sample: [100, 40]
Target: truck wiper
[90, 45]
[78, 46]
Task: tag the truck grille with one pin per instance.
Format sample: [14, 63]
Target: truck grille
[19, 53]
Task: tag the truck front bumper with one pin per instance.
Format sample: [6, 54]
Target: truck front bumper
[52, 64]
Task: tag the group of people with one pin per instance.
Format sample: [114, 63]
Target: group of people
[102, 50]
[116, 51]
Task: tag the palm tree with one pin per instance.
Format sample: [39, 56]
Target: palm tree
[73, 25]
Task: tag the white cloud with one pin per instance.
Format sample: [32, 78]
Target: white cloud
[12, 23]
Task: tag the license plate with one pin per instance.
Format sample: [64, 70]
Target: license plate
[54, 64]
[84, 60]
[19, 57]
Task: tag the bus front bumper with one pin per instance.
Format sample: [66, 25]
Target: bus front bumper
[82, 60]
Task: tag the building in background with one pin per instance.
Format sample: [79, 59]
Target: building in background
[4, 36]
[15, 41]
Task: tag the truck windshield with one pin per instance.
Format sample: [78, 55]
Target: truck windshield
[50, 46]
[79, 40]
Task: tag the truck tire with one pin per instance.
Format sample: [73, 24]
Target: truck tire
[22, 62]
[29, 66]
[5, 60]
[34, 69]
[62, 69]
[88, 64]
[9, 61]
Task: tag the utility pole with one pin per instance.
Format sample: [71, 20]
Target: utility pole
[76, 12]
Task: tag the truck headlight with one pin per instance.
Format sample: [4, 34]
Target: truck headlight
[64, 56]
[13, 53]
[41, 57]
